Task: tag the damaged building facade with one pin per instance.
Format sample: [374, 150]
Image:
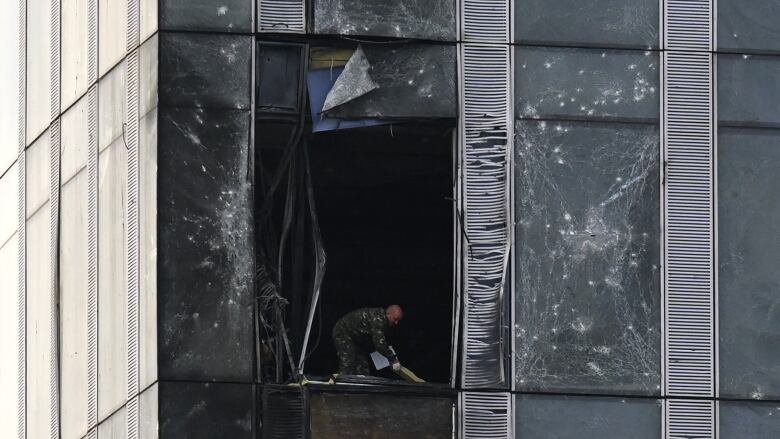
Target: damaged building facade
[573, 201]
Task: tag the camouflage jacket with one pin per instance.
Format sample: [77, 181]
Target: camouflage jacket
[366, 324]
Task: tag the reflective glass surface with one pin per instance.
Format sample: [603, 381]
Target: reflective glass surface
[223, 16]
[424, 19]
[608, 23]
[748, 248]
[748, 90]
[567, 417]
[586, 84]
[749, 25]
[748, 420]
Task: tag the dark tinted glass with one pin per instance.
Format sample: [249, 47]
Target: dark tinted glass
[609, 23]
[425, 19]
[206, 410]
[586, 83]
[587, 257]
[748, 249]
[748, 90]
[222, 15]
[566, 417]
[205, 70]
[749, 25]
[205, 244]
[749, 420]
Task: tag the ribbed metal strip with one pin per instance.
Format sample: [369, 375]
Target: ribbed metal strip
[54, 222]
[21, 401]
[690, 308]
[54, 212]
[485, 21]
[283, 16]
[485, 415]
[133, 244]
[688, 25]
[485, 127]
[92, 41]
[133, 24]
[284, 413]
[92, 257]
[689, 419]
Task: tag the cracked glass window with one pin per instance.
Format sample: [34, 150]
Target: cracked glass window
[587, 257]
[748, 90]
[748, 251]
[605, 23]
[749, 25]
[574, 417]
[586, 84]
[423, 19]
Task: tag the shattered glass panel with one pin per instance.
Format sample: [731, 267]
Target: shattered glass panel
[612, 23]
[576, 417]
[749, 248]
[587, 214]
[205, 70]
[220, 15]
[753, 420]
[412, 80]
[748, 90]
[205, 244]
[423, 19]
[749, 25]
[586, 83]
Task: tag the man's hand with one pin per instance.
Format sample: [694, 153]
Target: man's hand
[396, 366]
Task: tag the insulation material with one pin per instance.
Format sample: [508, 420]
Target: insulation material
[423, 19]
[587, 262]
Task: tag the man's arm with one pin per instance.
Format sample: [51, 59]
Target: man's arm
[380, 341]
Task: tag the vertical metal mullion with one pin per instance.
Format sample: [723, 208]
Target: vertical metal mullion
[54, 214]
[132, 96]
[22, 228]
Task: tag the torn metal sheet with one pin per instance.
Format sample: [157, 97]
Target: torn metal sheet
[353, 82]
[413, 81]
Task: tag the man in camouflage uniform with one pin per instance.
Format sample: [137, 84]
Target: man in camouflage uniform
[353, 331]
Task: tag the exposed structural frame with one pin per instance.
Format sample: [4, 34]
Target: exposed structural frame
[690, 308]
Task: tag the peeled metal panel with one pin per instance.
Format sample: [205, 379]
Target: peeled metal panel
[689, 419]
[284, 16]
[484, 21]
[485, 130]
[688, 25]
[485, 415]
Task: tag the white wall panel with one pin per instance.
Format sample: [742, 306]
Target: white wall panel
[37, 177]
[111, 105]
[148, 248]
[9, 186]
[149, 18]
[9, 86]
[114, 427]
[149, 413]
[74, 51]
[8, 329]
[73, 306]
[41, 331]
[73, 140]
[112, 283]
[38, 68]
[149, 60]
[112, 33]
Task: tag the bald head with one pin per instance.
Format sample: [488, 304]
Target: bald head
[394, 314]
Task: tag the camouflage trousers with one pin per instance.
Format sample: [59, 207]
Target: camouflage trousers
[352, 358]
